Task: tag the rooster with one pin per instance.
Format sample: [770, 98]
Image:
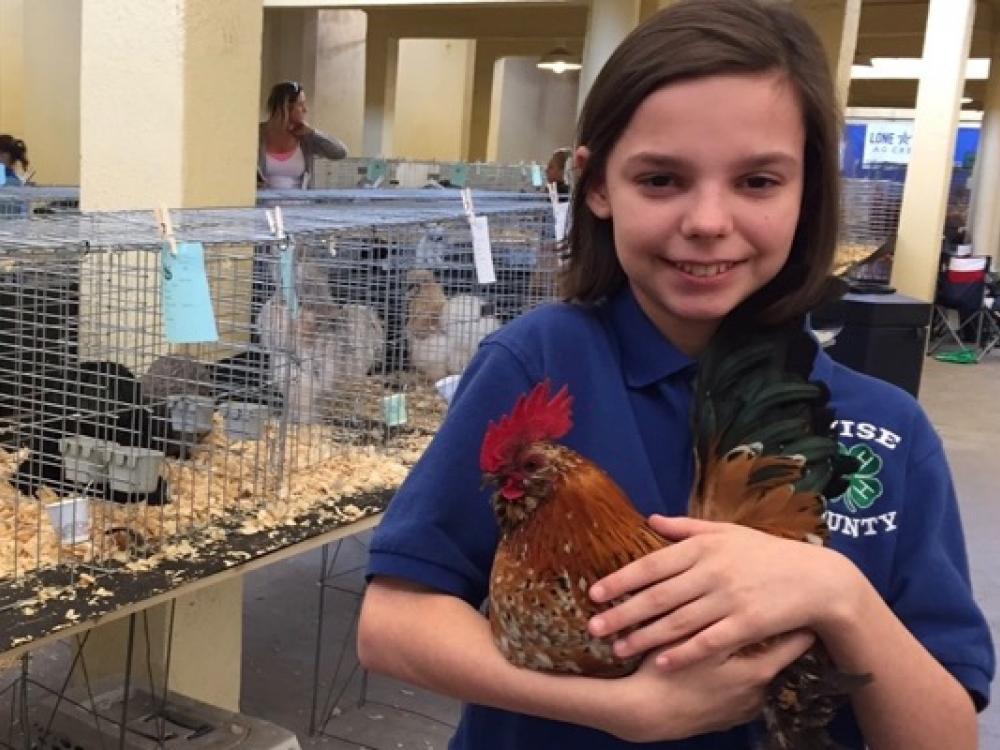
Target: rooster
[764, 457]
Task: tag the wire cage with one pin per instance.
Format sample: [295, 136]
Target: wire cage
[23, 201]
[869, 220]
[414, 173]
[334, 346]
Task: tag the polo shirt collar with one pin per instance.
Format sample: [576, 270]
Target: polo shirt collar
[647, 356]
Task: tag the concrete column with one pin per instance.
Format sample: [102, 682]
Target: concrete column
[169, 94]
[482, 95]
[155, 126]
[51, 86]
[985, 199]
[337, 104]
[12, 68]
[925, 194]
[837, 23]
[205, 649]
[649, 7]
[288, 50]
[609, 23]
[381, 63]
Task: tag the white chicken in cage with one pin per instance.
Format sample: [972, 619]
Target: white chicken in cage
[320, 348]
[443, 332]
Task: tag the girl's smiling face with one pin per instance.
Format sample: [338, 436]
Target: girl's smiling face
[703, 189]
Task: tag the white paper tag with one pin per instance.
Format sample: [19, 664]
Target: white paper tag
[560, 212]
[482, 251]
[71, 518]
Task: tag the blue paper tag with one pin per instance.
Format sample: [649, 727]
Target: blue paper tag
[459, 174]
[187, 303]
[394, 409]
[288, 291]
[536, 175]
[376, 169]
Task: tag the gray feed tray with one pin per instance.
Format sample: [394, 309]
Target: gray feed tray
[188, 724]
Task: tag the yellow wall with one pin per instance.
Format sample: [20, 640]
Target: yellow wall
[535, 112]
[288, 50]
[12, 68]
[52, 90]
[338, 102]
[433, 98]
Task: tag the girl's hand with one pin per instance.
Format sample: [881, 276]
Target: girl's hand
[710, 696]
[301, 129]
[719, 588]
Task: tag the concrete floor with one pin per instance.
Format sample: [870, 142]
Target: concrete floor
[282, 601]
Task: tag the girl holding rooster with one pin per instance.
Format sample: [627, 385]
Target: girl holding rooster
[707, 189]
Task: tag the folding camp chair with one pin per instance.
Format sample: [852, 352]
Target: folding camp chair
[963, 286]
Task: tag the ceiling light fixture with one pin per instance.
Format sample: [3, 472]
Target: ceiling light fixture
[902, 68]
[559, 60]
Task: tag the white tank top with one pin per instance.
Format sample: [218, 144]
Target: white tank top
[285, 173]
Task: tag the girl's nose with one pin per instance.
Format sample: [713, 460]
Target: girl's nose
[707, 215]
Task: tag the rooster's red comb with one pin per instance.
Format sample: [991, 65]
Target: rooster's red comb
[535, 417]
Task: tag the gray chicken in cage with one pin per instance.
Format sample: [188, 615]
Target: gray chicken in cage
[315, 344]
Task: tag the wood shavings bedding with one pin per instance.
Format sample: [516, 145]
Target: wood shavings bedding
[268, 483]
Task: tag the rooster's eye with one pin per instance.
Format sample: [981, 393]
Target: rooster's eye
[532, 463]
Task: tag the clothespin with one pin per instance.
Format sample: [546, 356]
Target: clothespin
[467, 204]
[166, 227]
[276, 222]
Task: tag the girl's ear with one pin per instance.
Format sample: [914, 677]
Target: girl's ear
[597, 194]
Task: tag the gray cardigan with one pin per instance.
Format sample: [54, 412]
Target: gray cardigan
[313, 145]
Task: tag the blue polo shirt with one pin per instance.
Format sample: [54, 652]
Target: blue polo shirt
[898, 521]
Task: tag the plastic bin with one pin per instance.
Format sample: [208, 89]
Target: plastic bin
[883, 335]
[135, 470]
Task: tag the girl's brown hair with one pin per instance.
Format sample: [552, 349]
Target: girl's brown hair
[695, 39]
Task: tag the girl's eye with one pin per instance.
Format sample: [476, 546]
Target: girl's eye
[760, 182]
[659, 180]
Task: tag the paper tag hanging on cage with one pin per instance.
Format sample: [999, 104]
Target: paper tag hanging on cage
[459, 174]
[560, 211]
[394, 409]
[187, 302]
[71, 518]
[288, 291]
[375, 171]
[482, 251]
[536, 175]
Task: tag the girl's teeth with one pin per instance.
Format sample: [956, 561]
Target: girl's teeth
[702, 270]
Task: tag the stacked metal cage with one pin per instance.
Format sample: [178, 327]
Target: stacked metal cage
[869, 220]
[21, 201]
[416, 173]
[334, 346]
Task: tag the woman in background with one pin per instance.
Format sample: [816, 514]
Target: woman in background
[13, 160]
[288, 144]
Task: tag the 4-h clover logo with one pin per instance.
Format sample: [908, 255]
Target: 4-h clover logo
[865, 487]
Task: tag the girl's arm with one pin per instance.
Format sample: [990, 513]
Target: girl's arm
[441, 643]
[724, 587]
[912, 702]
